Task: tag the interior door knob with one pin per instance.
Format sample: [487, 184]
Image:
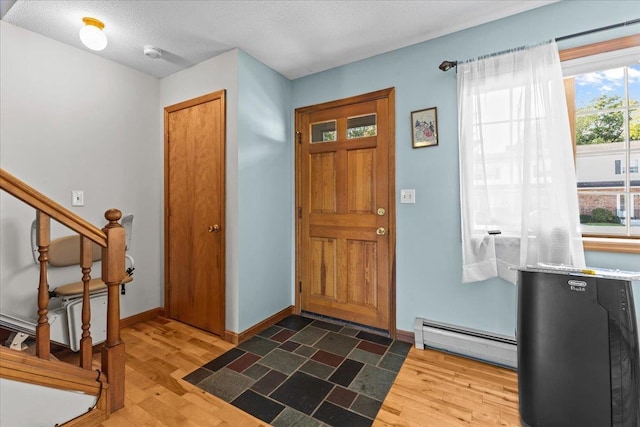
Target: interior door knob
[381, 231]
[214, 228]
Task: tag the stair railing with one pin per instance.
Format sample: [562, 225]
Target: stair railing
[112, 240]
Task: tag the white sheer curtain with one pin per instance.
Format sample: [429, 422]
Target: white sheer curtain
[517, 178]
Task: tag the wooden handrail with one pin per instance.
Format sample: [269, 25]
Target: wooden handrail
[19, 366]
[112, 240]
[39, 201]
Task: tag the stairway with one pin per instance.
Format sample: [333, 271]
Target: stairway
[33, 384]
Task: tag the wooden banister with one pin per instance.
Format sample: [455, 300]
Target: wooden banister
[39, 201]
[43, 328]
[112, 240]
[18, 366]
[86, 343]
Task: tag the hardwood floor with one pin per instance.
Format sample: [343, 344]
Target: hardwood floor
[432, 388]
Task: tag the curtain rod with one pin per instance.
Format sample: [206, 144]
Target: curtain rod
[447, 65]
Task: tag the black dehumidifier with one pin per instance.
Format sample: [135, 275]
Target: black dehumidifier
[578, 363]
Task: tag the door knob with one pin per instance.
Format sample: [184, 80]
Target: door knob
[381, 231]
[381, 211]
[214, 228]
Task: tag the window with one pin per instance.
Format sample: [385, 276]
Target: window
[361, 126]
[619, 168]
[603, 97]
[517, 205]
[323, 132]
[357, 127]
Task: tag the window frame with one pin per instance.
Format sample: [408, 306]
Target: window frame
[612, 243]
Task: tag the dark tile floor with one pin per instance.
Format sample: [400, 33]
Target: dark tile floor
[305, 372]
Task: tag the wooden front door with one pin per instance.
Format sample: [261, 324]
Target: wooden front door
[194, 212]
[346, 211]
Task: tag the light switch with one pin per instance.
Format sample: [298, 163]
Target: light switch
[77, 198]
[408, 196]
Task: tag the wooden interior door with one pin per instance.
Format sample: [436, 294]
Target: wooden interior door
[346, 211]
[194, 212]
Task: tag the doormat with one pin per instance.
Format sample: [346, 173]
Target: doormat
[305, 372]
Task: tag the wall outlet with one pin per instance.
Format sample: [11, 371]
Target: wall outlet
[408, 196]
[77, 198]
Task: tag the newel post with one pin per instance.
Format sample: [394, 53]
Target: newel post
[113, 270]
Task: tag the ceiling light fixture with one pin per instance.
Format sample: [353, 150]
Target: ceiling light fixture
[92, 35]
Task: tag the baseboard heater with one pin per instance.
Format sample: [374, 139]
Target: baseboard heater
[492, 348]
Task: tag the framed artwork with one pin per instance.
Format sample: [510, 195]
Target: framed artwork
[424, 127]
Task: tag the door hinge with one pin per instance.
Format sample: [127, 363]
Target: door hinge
[299, 136]
[300, 287]
[300, 212]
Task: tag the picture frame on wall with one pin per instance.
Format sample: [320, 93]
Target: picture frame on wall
[424, 127]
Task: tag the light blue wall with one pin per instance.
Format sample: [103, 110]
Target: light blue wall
[265, 191]
[428, 233]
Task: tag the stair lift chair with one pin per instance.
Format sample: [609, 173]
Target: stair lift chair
[65, 303]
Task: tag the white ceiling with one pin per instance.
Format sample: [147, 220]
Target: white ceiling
[294, 37]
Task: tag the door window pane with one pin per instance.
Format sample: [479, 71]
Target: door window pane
[361, 126]
[323, 132]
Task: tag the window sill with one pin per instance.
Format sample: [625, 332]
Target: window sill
[608, 244]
